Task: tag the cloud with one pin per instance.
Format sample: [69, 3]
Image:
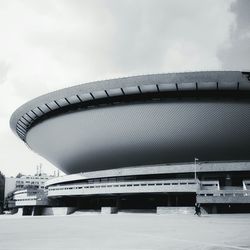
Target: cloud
[235, 54]
[4, 68]
[165, 36]
[51, 44]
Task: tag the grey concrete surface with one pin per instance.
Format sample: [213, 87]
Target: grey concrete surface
[144, 134]
[125, 231]
[206, 81]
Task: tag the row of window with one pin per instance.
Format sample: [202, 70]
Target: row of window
[25, 192]
[31, 182]
[209, 185]
[124, 185]
[30, 199]
[35, 186]
[36, 178]
[225, 194]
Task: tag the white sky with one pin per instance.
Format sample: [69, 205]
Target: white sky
[52, 44]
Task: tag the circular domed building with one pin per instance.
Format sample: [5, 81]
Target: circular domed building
[147, 141]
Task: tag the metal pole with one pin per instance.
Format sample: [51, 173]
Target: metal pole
[195, 172]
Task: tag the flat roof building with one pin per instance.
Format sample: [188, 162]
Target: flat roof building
[24, 181]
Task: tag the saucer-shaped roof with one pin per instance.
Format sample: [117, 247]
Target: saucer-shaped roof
[141, 120]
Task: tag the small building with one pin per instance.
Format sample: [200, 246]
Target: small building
[2, 181]
[19, 182]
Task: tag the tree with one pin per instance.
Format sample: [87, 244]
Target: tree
[19, 175]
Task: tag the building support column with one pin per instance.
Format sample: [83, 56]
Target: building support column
[118, 203]
[169, 200]
[176, 200]
[214, 209]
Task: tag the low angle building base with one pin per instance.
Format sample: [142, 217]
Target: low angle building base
[134, 143]
[173, 188]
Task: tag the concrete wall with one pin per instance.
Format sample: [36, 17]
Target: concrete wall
[223, 199]
[58, 210]
[175, 210]
[178, 210]
[109, 210]
[159, 169]
[146, 186]
[19, 212]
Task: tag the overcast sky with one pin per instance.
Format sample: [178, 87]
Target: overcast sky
[51, 44]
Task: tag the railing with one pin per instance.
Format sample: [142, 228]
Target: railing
[208, 185]
[188, 185]
[31, 202]
[224, 192]
[223, 196]
[30, 198]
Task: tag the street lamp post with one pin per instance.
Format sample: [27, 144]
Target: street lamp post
[195, 172]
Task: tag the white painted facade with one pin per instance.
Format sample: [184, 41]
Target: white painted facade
[34, 181]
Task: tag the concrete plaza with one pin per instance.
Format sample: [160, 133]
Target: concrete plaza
[125, 231]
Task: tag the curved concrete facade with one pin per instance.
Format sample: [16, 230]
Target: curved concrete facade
[142, 134]
[143, 120]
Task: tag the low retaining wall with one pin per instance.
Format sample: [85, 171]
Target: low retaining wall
[178, 210]
[19, 212]
[109, 210]
[58, 210]
[175, 210]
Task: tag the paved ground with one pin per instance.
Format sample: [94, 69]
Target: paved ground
[125, 231]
